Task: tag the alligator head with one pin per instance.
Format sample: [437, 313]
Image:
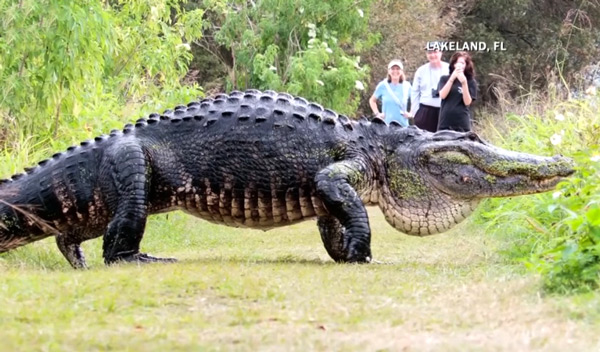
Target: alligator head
[435, 180]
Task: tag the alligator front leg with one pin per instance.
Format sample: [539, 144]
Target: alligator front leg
[345, 232]
[333, 236]
[125, 231]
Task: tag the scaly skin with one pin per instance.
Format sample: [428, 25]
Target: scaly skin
[261, 160]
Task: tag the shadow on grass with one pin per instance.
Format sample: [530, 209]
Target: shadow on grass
[288, 259]
[55, 263]
[249, 260]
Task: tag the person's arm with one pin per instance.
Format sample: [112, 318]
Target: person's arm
[377, 94]
[466, 95]
[472, 89]
[446, 86]
[374, 108]
[415, 93]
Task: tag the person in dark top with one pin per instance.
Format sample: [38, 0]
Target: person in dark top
[457, 90]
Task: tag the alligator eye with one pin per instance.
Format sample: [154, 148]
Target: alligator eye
[472, 136]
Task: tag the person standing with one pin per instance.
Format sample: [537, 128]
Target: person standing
[425, 99]
[457, 91]
[393, 92]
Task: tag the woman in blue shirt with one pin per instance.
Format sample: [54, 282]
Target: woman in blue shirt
[393, 93]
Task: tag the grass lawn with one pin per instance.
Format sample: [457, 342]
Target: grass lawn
[247, 290]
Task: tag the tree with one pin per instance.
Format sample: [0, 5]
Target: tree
[73, 59]
[305, 47]
[544, 39]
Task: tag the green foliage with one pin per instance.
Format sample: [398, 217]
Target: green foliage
[557, 234]
[305, 47]
[76, 65]
[572, 260]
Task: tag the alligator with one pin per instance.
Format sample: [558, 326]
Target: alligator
[262, 160]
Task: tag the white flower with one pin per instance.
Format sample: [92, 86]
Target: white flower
[154, 14]
[329, 50]
[556, 194]
[556, 139]
[559, 116]
[358, 85]
[591, 90]
[312, 30]
[320, 82]
[301, 10]
[273, 68]
[595, 158]
[185, 46]
[360, 13]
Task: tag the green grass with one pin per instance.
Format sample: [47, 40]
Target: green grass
[247, 290]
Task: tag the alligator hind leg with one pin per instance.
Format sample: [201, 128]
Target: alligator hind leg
[125, 231]
[345, 232]
[71, 249]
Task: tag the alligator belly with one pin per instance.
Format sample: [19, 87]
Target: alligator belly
[251, 208]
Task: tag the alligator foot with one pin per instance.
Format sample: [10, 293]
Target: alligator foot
[142, 258]
[335, 238]
[362, 260]
[69, 245]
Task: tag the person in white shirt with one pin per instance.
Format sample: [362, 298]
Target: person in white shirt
[425, 98]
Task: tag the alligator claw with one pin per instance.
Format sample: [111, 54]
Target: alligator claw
[373, 261]
[145, 258]
[140, 258]
[359, 259]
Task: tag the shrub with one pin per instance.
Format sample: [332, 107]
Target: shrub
[76, 65]
[556, 234]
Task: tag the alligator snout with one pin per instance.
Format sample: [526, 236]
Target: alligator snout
[569, 165]
[557, 166]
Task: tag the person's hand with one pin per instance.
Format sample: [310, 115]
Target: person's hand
[380, 115]
[408, 115]
[461, 77]
[454, 74]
